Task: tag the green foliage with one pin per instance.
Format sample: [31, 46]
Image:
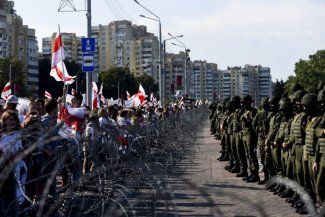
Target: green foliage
[148, 83]
[309, 72]
[112, 77]
[18, 75]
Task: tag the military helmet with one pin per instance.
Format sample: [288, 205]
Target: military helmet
[229, 105]
[264, 101]
[247, 99]
[320, 85]
[235, 99]
[297, 95]
[295, 87]
[274, 100]
[284, 103]
[321, 96]
[309, 99]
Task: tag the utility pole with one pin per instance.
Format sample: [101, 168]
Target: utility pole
[70, 4]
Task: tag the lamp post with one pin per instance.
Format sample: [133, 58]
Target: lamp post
[160, 53]
[118, 86]
[164, 65]
[185, 63]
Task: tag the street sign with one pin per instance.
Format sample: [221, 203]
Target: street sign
[88, 45]
[88, 64]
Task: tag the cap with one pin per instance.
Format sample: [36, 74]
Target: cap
[12, 99]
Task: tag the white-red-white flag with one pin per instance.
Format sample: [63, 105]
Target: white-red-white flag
[47, 95]
[141, 89]
[58, 69]
[6, 91]
[151, 97]
[141, 95]
[73, 117]
[102, 98]
[94, 96]
[73, 92]
[100, 89]
[128, 95]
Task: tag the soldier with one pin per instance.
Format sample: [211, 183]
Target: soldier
[319, 164]
[212, 111]
[236, 124]
[309, 101]
[249, 138]
[261, 127]
[299, 124]
[285, 107]
[229, 116]
[272, 149]
[223, 121]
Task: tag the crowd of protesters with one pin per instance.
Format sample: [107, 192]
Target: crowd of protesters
[288, 133]
[30, 142]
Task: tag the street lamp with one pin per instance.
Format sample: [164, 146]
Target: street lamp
[185, 62]
[160, 53]
[118, 86]
[164, 64]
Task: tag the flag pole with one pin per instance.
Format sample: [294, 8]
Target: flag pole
[65, 88]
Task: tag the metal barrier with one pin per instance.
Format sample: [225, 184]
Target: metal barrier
[96, 177]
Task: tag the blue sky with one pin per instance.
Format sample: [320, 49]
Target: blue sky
[274, 33]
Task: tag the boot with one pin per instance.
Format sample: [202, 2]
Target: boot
[228, 166]
[270, 186]
[221, 156]
[242, 174]
[224, 158]
[235, 169]
[247, 177]
[275, 188]
[280, 190]
[265, 179]
[287, 193]
[254, 178]
[294, 198]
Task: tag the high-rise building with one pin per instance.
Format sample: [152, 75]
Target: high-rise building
[121, 44]
[249, 80]
[204, 80]
[19, 42]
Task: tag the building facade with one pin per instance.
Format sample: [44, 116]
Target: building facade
[19, 42]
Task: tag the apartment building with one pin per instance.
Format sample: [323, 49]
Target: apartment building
[19, 42]
[122, 44]
[247, 80]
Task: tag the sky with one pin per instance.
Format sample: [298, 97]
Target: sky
[270, 33]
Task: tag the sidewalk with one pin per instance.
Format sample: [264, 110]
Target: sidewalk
[201, 187]
[204, 188]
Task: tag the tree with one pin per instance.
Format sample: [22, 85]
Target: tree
[309, 73]
[148, 83]
[112, 77]
[48, 83]
[278, 88]
[17, 75]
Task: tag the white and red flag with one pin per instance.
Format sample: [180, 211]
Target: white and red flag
[47, 95]
[73, 92]
[95, 96]
[101, 90]
[6, 91]
[128, 95]
[102, 98]
[58, 69]
[73, 117]
[141, 95]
